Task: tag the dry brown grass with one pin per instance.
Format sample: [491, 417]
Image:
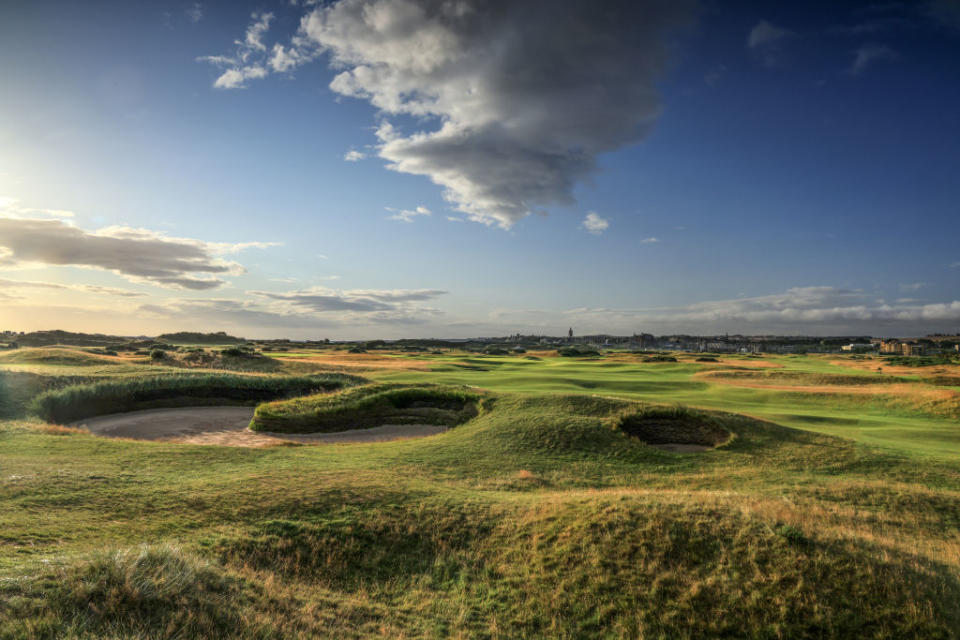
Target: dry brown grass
[873, 365]
[357, 362]
[58, 430]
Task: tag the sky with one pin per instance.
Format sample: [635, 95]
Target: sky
[357, 169]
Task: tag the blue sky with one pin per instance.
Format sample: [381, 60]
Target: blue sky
[658, 166]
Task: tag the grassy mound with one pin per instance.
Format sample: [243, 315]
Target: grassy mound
[368, 406]
[673, 425]
[603, 567]
[55, 356]
[131, 394]
[155, 592]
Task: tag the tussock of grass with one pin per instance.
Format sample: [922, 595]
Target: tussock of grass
[368, 406]
[83, 401]
[140, 592]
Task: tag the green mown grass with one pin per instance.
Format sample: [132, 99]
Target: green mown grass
[537, 516]
[899, 422]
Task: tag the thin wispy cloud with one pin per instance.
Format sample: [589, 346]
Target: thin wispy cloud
[247, 62]
[139, 255]
[869, 55]
[812, 310]
[194, 12]
[86, 288]
[11, 208]
[354, 156]
[408, 215]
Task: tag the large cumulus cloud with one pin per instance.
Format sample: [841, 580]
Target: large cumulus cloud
[516, 99]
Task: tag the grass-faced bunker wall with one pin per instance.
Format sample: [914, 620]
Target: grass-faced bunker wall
[673, 425]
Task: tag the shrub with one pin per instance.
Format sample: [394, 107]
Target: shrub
[238, 352]
[496, 351]
[577, 352]
[660, 358]
[158, 354]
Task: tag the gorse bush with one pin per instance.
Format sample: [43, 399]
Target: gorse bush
[577, 352]
[83, 401]
[660, 358]
[368, 406]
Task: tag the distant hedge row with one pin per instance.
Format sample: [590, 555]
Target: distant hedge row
[116, 396]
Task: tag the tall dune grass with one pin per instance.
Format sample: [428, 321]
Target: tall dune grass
[368, 406]
[115, 396]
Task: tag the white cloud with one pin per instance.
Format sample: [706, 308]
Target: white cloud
[315, 307]
[650, 240]
[523, 98]
[137, 254]
[194, 12]
[237, 78]
[354, 156]
[595, 224]
[817, 310]
[914, 286]
[802, 310]
[253, 39]
[11, 208]
[870, 54]
[408, 215]
[250, 60]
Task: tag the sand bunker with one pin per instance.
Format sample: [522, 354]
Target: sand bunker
[228, 426]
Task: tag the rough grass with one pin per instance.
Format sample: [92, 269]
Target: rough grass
[137, 592]
[605, 567]
[115, 396]
[367, 406]
[55, 356]
[538, 518]
[802, 378]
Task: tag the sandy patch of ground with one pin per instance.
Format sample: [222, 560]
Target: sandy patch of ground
[228, 426]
